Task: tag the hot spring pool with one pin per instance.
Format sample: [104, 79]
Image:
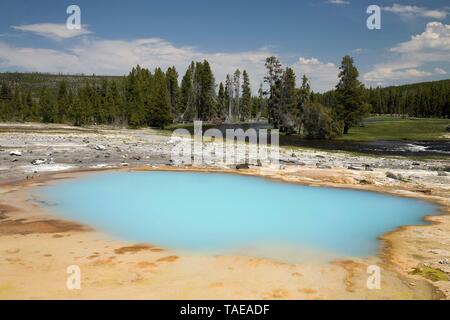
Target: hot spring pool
[217, 213]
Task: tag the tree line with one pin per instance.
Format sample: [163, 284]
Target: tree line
[142, 98]
[158, 98]
[421, 100]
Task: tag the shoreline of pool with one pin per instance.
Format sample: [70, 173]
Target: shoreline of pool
[392, 252]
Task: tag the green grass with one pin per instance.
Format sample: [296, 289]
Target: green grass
[390, 128]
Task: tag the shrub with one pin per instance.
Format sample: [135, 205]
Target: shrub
[319, 122]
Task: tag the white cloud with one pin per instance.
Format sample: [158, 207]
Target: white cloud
[359, 50]
[338, 2]
[416, 11]
[439, 71]
[409, 58]
[435, 37]
[53, 30]
[34, 59]
[117, 57]
[397, 70]
[323, 76]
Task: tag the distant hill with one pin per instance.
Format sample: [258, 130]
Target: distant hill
[424, 99]
[419, 85]
[35, 81]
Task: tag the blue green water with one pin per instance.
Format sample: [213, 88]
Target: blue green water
[222, 212]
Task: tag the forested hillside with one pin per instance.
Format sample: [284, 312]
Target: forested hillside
[427, 99]
[35, 81]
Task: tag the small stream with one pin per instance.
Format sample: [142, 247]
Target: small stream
[388, 148]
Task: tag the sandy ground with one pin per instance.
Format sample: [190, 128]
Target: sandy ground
[36, 248]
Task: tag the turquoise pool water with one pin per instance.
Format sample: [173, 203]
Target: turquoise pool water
[216, 213]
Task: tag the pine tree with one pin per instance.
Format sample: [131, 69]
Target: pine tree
[246, 103]
[62, 102]
[29, 109]
[273, 79]
[160, 110]
[221, 103]
[187, 95]
[115, 114]
[229, 97]
[350, 105]
[204, 91]
[134, 97]
[288, 101]
[237, 95]
[47, 106]
[172, 87]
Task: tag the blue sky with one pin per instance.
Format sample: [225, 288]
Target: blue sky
[310, 36]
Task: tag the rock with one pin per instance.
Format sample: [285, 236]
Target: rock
[444, 261]
[14, 160]
[137, 158]
[354, 168]
[395, 176]
[242, 166]
[442, 174]
[424, 191]
[15, 153]
[361, 180]
[100, 147]
[38, 162]
[124, 164]
[322, 166]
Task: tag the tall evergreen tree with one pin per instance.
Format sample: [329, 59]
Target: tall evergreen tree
[237, 95]
[62, 102]
[115, 114]
[246, 103]
[288, 101]
[206, 93]
[222, 103]
[161, 109]
[47, 106]
[172, 87]
[187, 95]
[273, 79]
[350, 104]
[229, 97]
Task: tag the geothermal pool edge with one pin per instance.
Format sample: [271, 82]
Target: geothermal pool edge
[393, 242]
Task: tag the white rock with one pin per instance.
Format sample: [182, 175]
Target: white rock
[15, 153]
[100, 147]
[38, 162]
